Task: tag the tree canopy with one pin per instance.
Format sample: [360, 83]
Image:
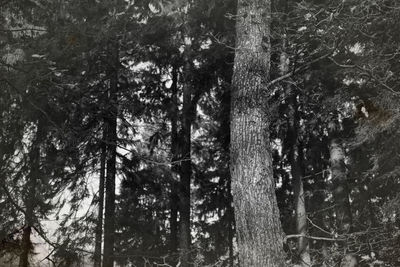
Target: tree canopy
[199, 133]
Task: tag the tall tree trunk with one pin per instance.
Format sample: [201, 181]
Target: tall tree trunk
[231, 224]
[31, 198]
[99, 224]
[258, 226]
[174, 197]
[300, 207]
[340, 189]
[297, 172]
[111, 122]
[296, 162]
[186, 170]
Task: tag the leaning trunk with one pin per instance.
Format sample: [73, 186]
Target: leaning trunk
[111, 122]
[99, 224]
[258, 226]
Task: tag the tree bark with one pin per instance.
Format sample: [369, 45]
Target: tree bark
[31, 198]
[174, 197]
[231, 230]
[185, 171]
[297, 171]
[340, 188]
[258, 226]
[111, 122]
[300, 208]
[99, 224]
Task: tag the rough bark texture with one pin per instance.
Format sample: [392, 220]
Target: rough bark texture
[185, 172]
[111, 122]
[31, 199]
[258, 224]
[340, 188]
[99, 223]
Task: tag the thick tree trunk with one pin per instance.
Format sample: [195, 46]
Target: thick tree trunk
[111, 122]
[258, 226]
[340, 188]
[31, 198]
[174, 197]
[185, 172]
[99, 224]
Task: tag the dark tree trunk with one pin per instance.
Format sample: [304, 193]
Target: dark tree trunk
[111, 122]
[25, 245]
[31, 198]
[174, 198]
[99, 224]
[231, 234]
[340, 189]
[297, 170]
[258, 226]
[185, 171]
[296, 162]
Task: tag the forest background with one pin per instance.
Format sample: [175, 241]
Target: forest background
[119, 123]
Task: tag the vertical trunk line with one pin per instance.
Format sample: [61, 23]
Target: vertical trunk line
[109, 216]
[297, 171]
[174, 197]
[30, 200]
[186, 168]
[258, 226]
[341, 192]
[99, 223]
[340, 188]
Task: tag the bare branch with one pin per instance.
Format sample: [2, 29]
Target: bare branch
[313, 237]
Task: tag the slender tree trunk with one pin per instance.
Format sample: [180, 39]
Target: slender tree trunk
[186, 171]
[340, 191]
[174, 198]
[111, 121]
[174, 207]
[325, 255]
[296, 159]
[296, 162]
[231, 229]
[340, 188]
[300, 208]
[31, 198]
[99, 224]
[258, 226]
